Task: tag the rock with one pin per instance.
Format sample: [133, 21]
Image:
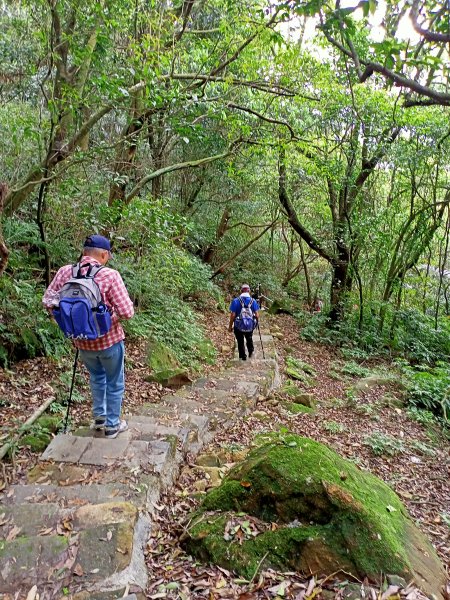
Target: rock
[260, 415]
[325, 523]
[396, 580]
[214, 474]
[355, 591]
[297, 369]
[299, 396]
[278, 335]
[367, 383]
[296, 409]
[201, 485]
[164, 366]
[207, 460]
[225, 349]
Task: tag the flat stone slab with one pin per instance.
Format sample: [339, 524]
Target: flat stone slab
[101, 451]
[65, 448]
[86, 450]
[218, 384]
[71, 495]
[248, 389]
[151, 431]
[45, 561]
[29, 519]
[150, 455]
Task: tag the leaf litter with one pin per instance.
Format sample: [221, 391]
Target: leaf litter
[423, 486]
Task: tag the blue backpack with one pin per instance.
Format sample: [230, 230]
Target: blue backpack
[246, 320]
[81, 313]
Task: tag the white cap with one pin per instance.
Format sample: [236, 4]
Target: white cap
[245, 286]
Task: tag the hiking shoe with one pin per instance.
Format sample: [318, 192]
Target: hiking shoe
[250, 354]
[113, 432]
[243, 358]
[99, 423]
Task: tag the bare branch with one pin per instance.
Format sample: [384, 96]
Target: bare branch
[264, 118]
[430, 36]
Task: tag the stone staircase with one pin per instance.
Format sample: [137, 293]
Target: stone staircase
[80, 524]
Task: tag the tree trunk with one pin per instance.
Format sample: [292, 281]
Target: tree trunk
[341, 285]
[4, 252]
[222, 228]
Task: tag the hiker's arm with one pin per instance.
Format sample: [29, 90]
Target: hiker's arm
[256, 313]
[232, 318]
[119, 299]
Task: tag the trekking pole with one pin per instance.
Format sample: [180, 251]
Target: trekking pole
[260, 338]
[71, 390]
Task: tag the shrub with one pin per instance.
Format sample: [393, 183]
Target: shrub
[428, 388]
[381, 443]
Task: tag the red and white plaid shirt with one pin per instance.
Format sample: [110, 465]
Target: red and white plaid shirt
[114, 294]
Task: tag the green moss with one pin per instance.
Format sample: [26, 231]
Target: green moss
[206, 351]
[49, 422]
[227, 496]
[37, 442]
[351, 518]
[295, 408]
[162, 362]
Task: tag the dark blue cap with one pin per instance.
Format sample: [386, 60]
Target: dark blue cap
[98, 241]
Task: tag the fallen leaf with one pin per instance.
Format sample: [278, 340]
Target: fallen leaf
[32, 593]
[78, 570]
[14, 532]
[246, 484]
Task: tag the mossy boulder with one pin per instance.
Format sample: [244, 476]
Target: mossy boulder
[164, 367]
[315, 512]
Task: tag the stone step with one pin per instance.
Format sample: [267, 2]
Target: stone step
[152, 456]
[148, 430]
[169, 415]
[87, 510]
[71, 495]
[46, 544]
[196, 405]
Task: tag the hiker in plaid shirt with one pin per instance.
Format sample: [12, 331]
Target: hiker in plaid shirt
[104, 356]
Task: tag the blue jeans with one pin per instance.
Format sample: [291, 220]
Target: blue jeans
[107, 378]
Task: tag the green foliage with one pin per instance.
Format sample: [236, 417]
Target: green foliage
[424, 417]
[417, 339]
[333, 427]
[381, 443]
[353, 369]
[428, 388]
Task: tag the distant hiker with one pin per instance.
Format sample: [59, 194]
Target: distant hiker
[317, 305]
[102, 355]
[244, 316]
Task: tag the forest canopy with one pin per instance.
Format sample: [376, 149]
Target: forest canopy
[302, 146]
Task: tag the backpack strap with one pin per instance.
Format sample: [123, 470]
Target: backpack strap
[243, 305]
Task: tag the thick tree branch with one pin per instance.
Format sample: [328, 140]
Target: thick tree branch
[241, 250]
[177, 167]
[440, 98]
[263, 117]
[292, 215]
